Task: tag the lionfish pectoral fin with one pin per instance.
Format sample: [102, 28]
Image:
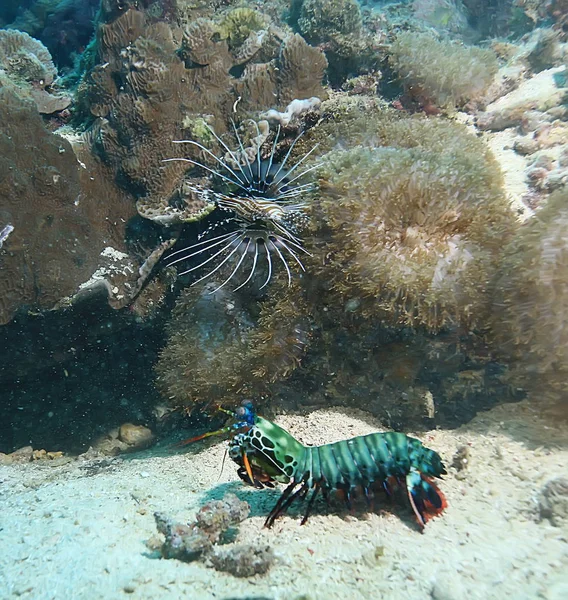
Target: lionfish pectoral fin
[426, 498]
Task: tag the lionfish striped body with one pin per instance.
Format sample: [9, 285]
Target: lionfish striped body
[266, 213]
[266, 453]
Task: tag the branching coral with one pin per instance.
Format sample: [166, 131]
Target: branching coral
[531, 308]
[440, 73]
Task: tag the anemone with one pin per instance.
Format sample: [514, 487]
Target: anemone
[415, 231]
[263, 203]
[223, 345]
[441, 73]
[529, 323]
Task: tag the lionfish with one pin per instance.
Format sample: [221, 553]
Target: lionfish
[265, 206]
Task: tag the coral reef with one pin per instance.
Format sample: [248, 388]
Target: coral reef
[406, 235]
[441, 74]
[337, 27]
[293, 111]
[27, 63]
[157, 81]
[60, 225]
[532, 103]
[200, 540]
[530, 308]
[407, 226]
[296, 80]
[238, 25]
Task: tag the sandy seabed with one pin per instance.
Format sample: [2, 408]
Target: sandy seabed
[78, 530]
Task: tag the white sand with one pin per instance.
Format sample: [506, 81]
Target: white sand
[68, 534]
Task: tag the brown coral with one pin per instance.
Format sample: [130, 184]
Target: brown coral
[60, 222]
[27, 63]
[25, 58]
[141, 114]
[159, 81]
[301, 72]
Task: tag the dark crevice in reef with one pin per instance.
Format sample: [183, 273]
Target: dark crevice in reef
[67, 377]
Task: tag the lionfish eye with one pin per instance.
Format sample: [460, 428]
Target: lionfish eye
[266, 205]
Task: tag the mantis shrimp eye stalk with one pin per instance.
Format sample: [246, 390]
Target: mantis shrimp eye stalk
[265, 206]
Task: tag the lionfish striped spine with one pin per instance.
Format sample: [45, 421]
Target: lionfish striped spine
[266, 453]
[265, 204]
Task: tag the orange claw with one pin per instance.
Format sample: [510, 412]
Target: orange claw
[247, 466]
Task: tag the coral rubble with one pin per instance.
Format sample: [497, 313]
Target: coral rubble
[201, 539]
[190, 542]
